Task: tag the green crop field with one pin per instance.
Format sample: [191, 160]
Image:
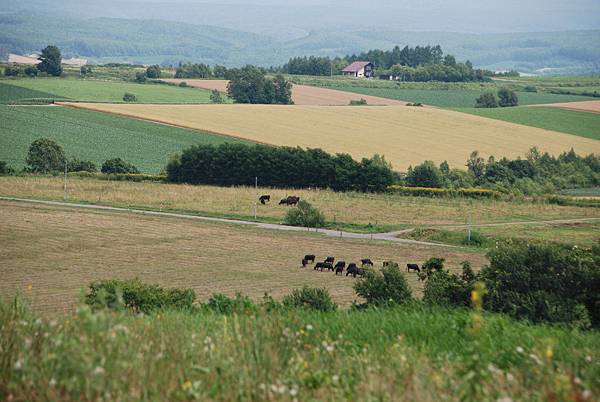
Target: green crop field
[583, 124]
[107, 91]
[94, 136]
[10, 93]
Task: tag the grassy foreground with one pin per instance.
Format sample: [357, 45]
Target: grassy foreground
[105, 91]
[406, 353]
[94, 136]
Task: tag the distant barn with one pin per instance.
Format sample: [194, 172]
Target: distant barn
[359, 69]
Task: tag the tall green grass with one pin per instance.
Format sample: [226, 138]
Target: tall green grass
[95, 136]
[408, 353]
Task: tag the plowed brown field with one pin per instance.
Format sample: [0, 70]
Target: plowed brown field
[585, 106]
[404, 135]
[301, 94]
[49, 254]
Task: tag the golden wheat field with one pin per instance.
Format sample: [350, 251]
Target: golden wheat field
[50, 254]
[354, 208]
[404, 135]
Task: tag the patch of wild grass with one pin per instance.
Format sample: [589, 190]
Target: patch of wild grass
[408, 353]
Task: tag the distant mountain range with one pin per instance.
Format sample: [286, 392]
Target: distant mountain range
[168, 42]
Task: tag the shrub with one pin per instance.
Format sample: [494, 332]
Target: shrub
[85, 71]
[359, 102]
[137, 295]
[31, 71]
[305, 215]
[507, 98]
[530, 88]
[310, 298]
[425, 175]
[76, 165]
[153, 71]
[476, 239]
[544, 282]
[5, 168]
[434, 264]
[216, 97]
[10, 71]
[387, 287]
[444, 192]
[183, 84]
[118, 165]
[45, 156]
[447, 289]
[486, 100]
[129, 97]
[219, 303]
[140, 76]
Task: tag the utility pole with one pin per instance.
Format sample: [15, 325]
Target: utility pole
[331, 66]
[255, 198]
[65, 196]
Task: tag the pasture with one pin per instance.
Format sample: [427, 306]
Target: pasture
[50, 253]
[301, 94]
[383, 212]
[404, 135]
[446, 95]
[13, 93]
[89, 90]
[580, 123]
[94, 136]
[586, 106]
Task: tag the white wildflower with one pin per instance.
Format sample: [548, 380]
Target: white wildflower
[309, 327]
[293, 391]
[588, 359]
[18, 364]
[98, 370]
[504, 399]
[335, 378]
[52, 382]
[520, 349]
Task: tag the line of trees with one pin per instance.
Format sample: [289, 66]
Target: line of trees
[239, 164]
[250, 85]
[201, 70]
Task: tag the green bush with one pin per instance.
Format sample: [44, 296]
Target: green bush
[118, 165]
[310, 298]
[486, 100]
[219, 303]
[129, 97]
[31, 71]
[544, 282]
[45, 156]
[387, 287]
[216, 97]
[183, 84]
[476, 239]
[5, 168]
[76, 165]
[10, 71]
[432, 265]
[507, 98]
[153, 71]
[447, 289]
[137, 295]
[359, 102]
[305, 215]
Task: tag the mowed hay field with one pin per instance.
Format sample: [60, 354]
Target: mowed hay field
[586, 106]
[49, 254]
[405, 135]
[385, 210]
[301, 94]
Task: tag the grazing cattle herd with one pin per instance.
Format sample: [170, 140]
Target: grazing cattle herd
[290, 200]
[351, 268]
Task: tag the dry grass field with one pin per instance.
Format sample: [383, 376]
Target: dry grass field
[357, 208]
[51, 253]
[405, 135]
[585, 106]
[301, 94]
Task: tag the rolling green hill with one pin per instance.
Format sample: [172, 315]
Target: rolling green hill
[94, 136]
[102, 91]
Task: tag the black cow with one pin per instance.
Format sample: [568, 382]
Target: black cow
[309, 258]
[264, 198]
[330, 260]
[319, 265]
[412, 267]
[366, 261]
[291, 200]
[328, 266]
[354, 270]
[339, 267]
[304, 262]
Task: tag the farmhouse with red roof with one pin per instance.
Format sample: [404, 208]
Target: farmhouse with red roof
[359, 69]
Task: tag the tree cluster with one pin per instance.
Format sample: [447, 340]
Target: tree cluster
[319, 66]
[537, 173]
[506, 98]
[201, 70]
[283, 167]
[250, 85]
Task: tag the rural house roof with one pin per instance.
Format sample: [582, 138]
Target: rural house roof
[356, 66]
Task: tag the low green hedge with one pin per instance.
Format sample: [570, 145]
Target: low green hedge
[444, 192]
